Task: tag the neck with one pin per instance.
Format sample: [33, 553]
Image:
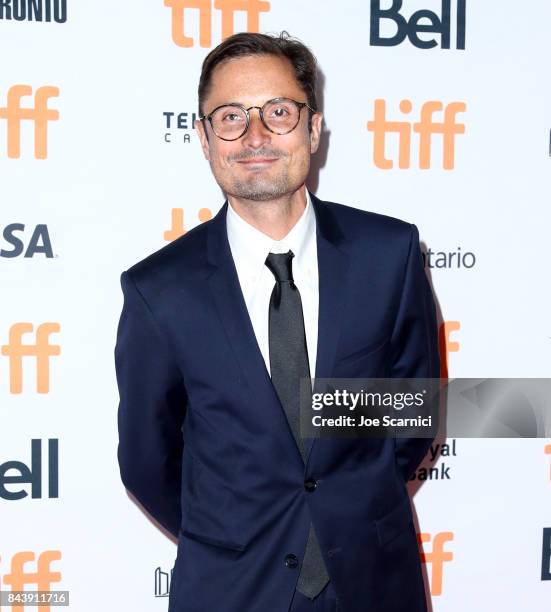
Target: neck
[275, 218]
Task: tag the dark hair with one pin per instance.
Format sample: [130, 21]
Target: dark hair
[248, 43]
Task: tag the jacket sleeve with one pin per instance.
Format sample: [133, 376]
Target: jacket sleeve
[414, 345]
[151, 410]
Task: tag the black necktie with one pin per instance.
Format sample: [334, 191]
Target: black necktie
[288, 364]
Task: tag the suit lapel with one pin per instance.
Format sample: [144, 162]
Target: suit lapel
[333, 281]
[227, 294]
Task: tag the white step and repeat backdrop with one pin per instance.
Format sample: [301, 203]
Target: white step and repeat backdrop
[436, 111]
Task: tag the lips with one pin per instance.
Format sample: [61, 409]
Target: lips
[258, 161]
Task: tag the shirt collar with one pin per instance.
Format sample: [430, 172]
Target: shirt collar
[250, 246]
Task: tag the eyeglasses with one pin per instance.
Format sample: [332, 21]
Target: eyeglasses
[279, 116]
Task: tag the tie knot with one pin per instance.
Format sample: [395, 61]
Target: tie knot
[280, 265]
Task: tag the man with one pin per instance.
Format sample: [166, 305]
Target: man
[217, 329]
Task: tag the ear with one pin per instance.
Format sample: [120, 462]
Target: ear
[315, 132]
[203, 138]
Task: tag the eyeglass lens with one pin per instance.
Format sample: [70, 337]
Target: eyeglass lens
[280, 116]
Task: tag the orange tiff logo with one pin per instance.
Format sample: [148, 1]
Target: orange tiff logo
[447, 345]
[177, 229]
[426, 127]
[42, 350]
[547, 451]
[42, 578]
[14, 113]
[227, 8]
[436, 557]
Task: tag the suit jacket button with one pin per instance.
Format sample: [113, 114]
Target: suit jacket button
[291, 561]
[310, 485]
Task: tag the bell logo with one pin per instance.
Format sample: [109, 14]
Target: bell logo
[412, 27]
[13, 113]
[42, 350]
[227, 8]
[446, 345]
[436, 557]
[31, 475]
[546, 554]
[162, 582]
[177, 228]
[425, 127]
[42, 577]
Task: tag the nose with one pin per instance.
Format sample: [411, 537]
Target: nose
[257, 135]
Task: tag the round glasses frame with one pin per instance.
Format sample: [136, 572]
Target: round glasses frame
[299, 105]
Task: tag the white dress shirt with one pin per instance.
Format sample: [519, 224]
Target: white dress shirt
[250, 247]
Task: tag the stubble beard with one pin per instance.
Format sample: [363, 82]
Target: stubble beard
[258, 186]
[261, 189]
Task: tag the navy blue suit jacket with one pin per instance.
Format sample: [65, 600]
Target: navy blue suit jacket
[204, 444]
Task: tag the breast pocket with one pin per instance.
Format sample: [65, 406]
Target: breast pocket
[368, 362]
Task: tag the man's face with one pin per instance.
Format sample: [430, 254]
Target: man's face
[260, 165]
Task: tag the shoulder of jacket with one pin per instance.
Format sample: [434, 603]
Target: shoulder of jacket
[359, 223]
